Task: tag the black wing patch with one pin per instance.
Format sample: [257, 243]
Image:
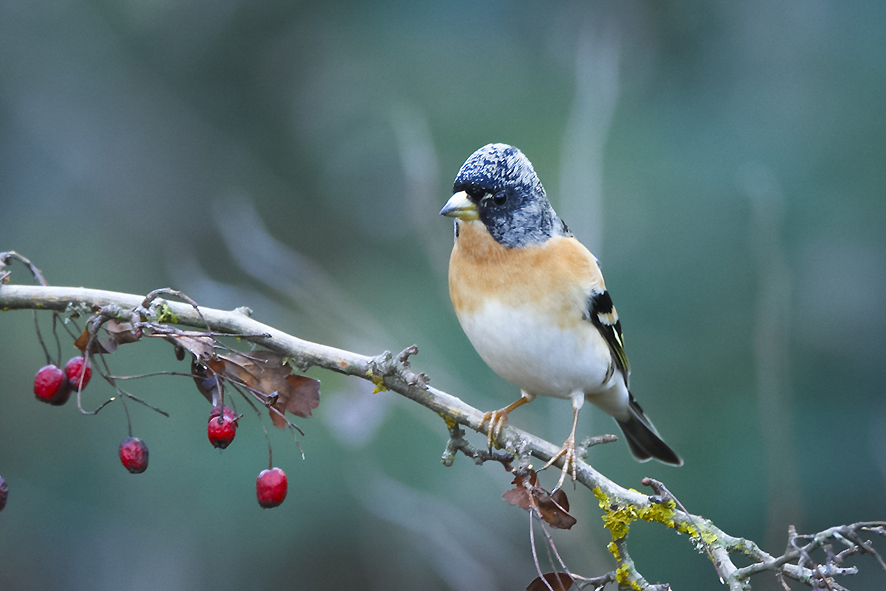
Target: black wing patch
[602, 314]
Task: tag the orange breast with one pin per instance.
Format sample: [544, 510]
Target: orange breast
[555, 277]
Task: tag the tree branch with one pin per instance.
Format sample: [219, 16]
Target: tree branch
[620, 506]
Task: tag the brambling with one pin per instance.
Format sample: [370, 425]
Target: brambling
[532, 301]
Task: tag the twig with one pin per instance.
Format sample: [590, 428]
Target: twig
[11, 254]
[458, 443]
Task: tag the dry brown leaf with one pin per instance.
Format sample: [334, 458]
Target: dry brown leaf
[299, 396]
[554, 509]
[229, 367]
[82, 340]
[116, 333]
[304, 395]
[517, 496]
[264, 372]
[554, 512]
[557, 582]
[122, 332]
[200, 347]
[559, 497]
[98, 345]
[207, 382]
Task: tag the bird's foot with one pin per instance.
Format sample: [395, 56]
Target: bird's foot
[497, 419]
[567, 452]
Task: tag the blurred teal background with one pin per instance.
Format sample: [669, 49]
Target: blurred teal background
[724, 160]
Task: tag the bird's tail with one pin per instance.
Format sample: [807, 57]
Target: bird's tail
[644, 440]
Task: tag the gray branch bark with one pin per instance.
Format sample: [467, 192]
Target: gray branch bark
[393, 372]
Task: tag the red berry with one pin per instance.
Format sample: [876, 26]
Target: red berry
[227, 411]
[222, 427]
[4, 493]
[270, 487]
[134, 455]
[51, 385]
[74, 368]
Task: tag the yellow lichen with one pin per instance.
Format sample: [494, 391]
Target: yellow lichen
[602, 499]
[708, 537]
[618, 521]
[377, 380]
[659, 512]
[616, 518]
[623, 575]
[164, 315]
[613, 549]
[624, 578]
[692, 531]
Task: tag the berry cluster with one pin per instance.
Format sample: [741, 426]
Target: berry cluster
[54, 386]
[258, 376]
[261, 377]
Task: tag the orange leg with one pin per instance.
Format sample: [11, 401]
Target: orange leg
[568, 450]
[498, 418]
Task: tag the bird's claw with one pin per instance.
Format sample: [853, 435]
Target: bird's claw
[497, 419]
[569, 463]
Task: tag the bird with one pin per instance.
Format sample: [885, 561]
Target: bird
[532, 301]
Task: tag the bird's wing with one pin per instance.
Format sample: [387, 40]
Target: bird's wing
[603, 315]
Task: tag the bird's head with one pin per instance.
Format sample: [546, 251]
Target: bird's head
[498, 186]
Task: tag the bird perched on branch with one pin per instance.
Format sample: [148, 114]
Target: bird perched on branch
[532, 301]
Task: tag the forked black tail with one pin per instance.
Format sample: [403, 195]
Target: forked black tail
[644, 440]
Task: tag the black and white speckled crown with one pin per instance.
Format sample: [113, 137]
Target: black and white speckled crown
[496, 166]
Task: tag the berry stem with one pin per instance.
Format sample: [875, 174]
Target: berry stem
[126, 410]
[142, 402]
[68, 330]
[40, 338]
[260, 422]
[82, 372]
[58, 341]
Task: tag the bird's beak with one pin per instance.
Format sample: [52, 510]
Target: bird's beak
[459, 206]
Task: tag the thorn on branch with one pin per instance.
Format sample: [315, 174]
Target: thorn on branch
[588, 442]
[385, 365]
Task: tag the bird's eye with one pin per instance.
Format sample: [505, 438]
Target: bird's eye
[500, 198]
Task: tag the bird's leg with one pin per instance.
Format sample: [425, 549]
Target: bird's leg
[498, 418]
[568, 449]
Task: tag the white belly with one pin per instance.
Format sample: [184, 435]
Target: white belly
[534, 354]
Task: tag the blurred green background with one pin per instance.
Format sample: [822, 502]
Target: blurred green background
[724, 160]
